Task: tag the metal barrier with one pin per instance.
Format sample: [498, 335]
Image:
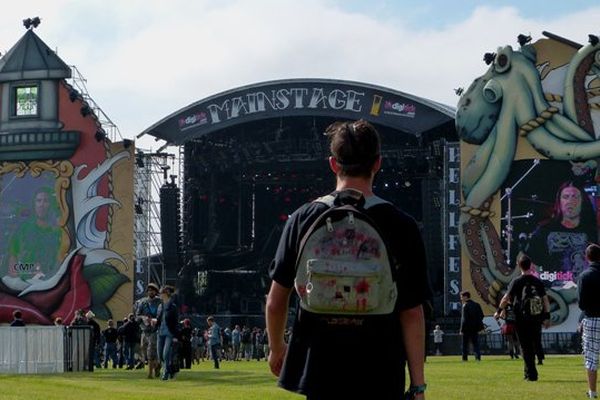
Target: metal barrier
[495, 343]
[45, 349]
[79, 349]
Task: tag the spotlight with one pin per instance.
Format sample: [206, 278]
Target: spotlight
[73, 95]
[30, 23]
[593, 39]
[85, 110]
[139, 161]
[489, 58]
[523, 39]
[100, 135]
[127, 143]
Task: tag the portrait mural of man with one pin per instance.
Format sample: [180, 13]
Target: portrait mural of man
[33, 250]
[33, 238]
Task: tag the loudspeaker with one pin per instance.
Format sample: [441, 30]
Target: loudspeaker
[170, 231]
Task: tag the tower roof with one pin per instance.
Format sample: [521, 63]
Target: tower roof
[31, 58]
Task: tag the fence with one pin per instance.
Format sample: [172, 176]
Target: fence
[45, 349]
[494, 343]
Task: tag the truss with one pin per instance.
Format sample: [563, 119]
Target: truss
[150, 173]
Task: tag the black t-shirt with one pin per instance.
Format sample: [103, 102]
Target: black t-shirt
[338, 362]
[515, 291]
[587, 289]
[555, 248]
[110, 335]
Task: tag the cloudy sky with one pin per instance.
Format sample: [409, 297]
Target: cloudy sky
[145, 59]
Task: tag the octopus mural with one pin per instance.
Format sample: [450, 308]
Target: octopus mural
[509, 108]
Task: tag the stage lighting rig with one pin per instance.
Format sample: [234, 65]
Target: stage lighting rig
[100, 135]
[85, 110]
[73, 95]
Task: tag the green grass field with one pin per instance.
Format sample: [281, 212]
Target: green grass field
[561, 377]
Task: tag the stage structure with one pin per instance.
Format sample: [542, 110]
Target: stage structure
[151, 173]
[529, 170]
[252, 155]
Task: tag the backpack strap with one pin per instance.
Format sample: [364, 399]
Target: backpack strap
[330, 199]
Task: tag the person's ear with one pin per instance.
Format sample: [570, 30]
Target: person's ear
[333, 165]
[377, 165]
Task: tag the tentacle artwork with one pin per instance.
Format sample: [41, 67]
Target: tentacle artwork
[502, 107]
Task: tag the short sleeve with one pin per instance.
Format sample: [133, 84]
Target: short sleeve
[283, 267]
[406, 244]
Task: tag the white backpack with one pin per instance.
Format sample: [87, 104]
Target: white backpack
[343, 266]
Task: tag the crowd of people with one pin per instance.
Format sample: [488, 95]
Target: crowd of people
[154, 337]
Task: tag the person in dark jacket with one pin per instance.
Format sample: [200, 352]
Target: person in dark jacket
[185, 351]
[130, 332]
[167, 321]
[471, 323]
[588, 288]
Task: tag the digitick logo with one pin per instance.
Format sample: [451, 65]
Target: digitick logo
[555, 276]
[193, 120]
[399, 109]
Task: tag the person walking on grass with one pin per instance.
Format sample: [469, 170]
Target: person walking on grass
[588, 288]
[471, 323]
[527, 294]
[337, 312]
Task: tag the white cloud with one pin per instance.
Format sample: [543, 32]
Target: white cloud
[146, 59]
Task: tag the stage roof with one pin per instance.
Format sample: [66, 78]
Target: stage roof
[344, 100]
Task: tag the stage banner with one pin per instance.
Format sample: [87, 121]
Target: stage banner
[529, 129]
[451, 214]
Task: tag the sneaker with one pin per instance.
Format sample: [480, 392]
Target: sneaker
[592, 395]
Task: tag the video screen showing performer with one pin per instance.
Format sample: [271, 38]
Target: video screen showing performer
[557, 246]
[554, 216]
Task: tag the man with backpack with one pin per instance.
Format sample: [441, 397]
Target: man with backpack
[357, 264]
[528, 296]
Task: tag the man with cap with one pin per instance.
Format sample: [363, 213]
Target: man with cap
[147, 307]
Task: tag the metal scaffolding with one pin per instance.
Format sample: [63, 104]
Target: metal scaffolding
[150, 173]
[110, 128]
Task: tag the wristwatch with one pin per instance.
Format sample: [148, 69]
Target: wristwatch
[415, 390]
